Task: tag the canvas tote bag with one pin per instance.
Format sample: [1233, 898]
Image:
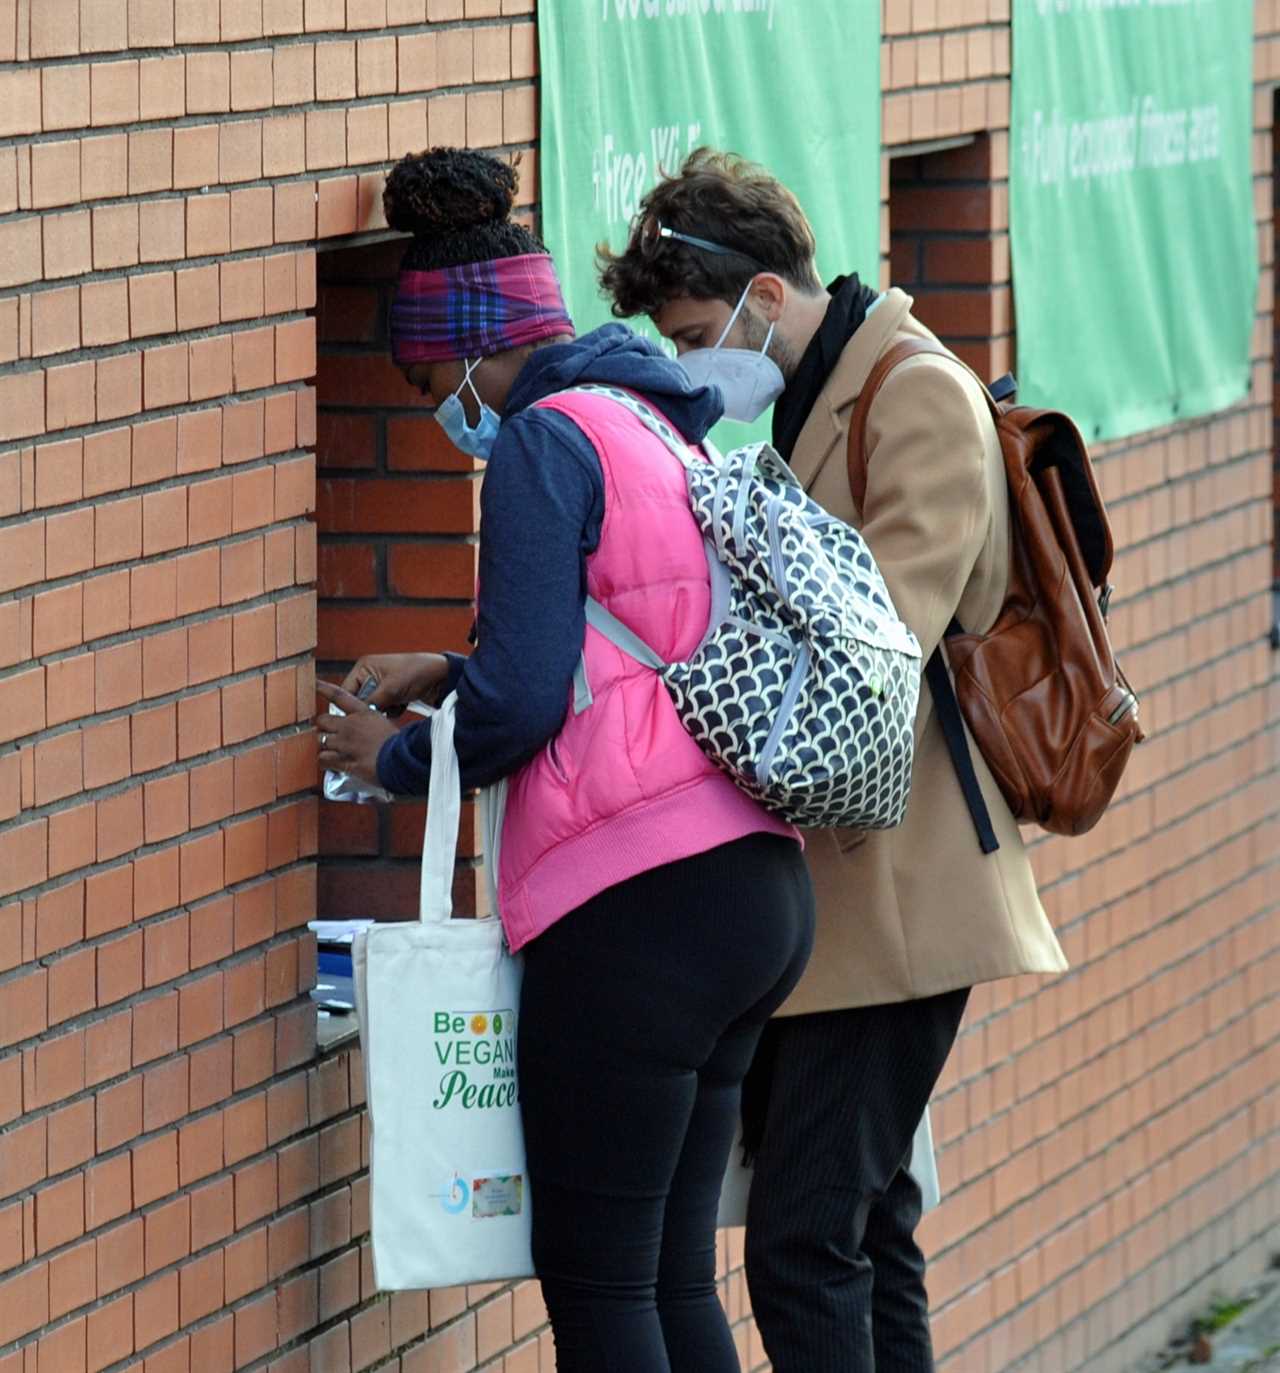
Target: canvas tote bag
[437, 1002]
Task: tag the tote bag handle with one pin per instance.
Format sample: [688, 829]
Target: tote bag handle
[444, 806]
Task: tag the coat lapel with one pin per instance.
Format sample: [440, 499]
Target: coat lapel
[827, 427]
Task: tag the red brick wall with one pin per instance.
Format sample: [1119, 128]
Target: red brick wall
[1108, 1141]
[181, 1176]
[1275, 429]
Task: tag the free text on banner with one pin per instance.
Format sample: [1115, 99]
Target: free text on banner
[1131, 208]
[629, 87]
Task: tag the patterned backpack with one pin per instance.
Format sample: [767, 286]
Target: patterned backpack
[804, 688]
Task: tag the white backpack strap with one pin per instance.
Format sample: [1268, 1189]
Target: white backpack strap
[680, 450]
[620, 636]
[582, 697]
[600, 619]
[688, 459]
[647, 416]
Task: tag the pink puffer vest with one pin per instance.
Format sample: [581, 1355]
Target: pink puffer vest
[623, 788]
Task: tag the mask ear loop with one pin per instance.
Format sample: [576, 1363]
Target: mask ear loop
[764, 351]
[466, 381]
[737, 310]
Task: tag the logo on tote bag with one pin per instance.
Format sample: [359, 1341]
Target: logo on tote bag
[477, 1050]
[493, 1196]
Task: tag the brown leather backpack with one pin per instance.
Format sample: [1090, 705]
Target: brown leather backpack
[1041, 692]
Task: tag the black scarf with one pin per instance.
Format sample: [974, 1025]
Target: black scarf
[850, 301]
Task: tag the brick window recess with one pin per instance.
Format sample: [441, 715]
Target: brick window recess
[397, 514]
[949, 246]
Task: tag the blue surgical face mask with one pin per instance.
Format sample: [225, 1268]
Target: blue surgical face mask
[749, 381]
[476, 441]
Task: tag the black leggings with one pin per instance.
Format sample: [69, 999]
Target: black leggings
[639, 1015]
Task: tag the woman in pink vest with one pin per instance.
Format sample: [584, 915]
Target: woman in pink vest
[662, 913]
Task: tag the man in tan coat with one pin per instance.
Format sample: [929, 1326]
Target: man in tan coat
[721, 258]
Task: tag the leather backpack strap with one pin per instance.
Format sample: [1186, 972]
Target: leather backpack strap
[939, 680]
[856, 455]
[952, 723]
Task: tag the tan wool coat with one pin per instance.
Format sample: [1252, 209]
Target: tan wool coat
[919, 910]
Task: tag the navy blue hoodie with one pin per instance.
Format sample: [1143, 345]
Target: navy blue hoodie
[541, 507]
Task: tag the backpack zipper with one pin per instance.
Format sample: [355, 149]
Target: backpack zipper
[775, 552]
[1129, 706]
[786, 709]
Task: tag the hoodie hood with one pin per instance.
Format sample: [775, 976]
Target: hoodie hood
[615, 356]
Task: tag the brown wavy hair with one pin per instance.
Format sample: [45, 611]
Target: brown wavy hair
[722, 197]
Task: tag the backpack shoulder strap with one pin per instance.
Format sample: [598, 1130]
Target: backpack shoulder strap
[936, 674]
[857, 450]
[952, 724]
[651, 418]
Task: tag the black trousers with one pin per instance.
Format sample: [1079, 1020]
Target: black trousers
[835, 1275]
[640, 1013]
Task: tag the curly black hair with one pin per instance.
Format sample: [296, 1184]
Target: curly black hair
[724, 198]
[457, 205]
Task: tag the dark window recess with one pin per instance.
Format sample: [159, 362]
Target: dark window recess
[949, 245]
[396, 559]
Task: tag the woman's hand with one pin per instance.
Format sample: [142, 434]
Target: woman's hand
[350, 743]
[401, 678]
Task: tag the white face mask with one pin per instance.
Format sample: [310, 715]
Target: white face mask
[749, 381]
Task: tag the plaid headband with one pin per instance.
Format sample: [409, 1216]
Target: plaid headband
[476, 309]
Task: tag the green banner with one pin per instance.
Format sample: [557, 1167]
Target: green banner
[1131, 208]
[629, 87]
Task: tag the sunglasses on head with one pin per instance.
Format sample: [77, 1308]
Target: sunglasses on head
[652, 232]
